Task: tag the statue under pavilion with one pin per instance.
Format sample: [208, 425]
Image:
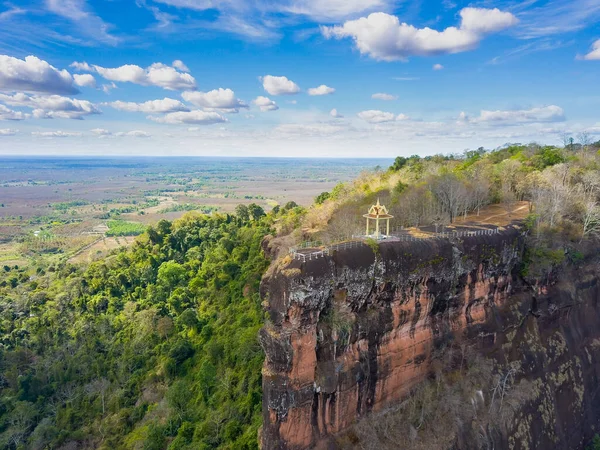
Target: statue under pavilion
[378, 212]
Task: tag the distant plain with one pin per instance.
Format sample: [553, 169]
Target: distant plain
[84, 207]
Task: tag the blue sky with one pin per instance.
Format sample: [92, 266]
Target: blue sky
[294, 77]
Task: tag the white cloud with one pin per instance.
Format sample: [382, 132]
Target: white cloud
[279, 85]
[541, 19]
[486, 21]
[34, 75]
[134, 133]
[85, 80]
[265, 104]
[375, 116]
[101, 132]
[383, 37]
[88, 23]
[335, 9]
[257, 19]
[11, 11]
[81, 66]
[106, 88]
[179, 65]
[438, 67]
[321, 90]
[52, 106]
[383, 96]
[550, 113]
[334, 113]
[221, 100]
[51, 134]
[190, 117]
[9, 114]
[8, 131]
[310, 129]
[166, 105]
[157, 74]
[594, 54]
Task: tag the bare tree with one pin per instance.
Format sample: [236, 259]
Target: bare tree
[99, 387]
[590, 184]
[481, 191]
[584, 139]
[415, 206]
[343, 225]
[449, 192]
[590, 218]
[509, 199]
[556, 196]
[566, 139]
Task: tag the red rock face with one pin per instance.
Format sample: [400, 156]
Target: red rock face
[354, 333]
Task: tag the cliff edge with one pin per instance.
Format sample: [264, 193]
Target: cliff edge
[352, 333]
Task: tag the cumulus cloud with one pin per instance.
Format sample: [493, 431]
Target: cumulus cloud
[34, 75]
[550, 113]
[382, 36]
[265, 104]
[157, 74]
[9, 114]
[166, 105]
[81, 66]
[279, 85]
[221, 100]
[335, 114]
[106, 88]
[52, 106]
[321, 90]
[52, 134]
[179, 65]
[594, 54]
[383, 96]
[485, 21]
[8, 131]
[375, 116]
[85, 80]
[134, 133]
[438, 67]
[190, 117]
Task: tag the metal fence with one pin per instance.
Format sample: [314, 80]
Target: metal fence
[316, 250]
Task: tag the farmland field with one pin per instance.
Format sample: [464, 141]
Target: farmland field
[78, 207]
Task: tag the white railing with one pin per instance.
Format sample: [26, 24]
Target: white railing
[304, 252]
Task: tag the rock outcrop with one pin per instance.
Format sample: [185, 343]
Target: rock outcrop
[353, 332]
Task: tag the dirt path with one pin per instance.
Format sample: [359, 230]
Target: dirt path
[486, 219]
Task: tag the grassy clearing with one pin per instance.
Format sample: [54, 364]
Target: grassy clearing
[123, 228]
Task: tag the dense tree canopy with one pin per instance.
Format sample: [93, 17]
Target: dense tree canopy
[153, 347]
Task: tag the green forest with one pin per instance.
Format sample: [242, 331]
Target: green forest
[156, 346]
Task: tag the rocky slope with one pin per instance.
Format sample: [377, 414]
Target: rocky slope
[354, 332]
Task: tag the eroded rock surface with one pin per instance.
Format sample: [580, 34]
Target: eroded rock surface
[354, 332]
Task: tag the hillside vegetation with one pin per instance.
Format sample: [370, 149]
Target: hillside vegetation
[561, 186]
[156, 347]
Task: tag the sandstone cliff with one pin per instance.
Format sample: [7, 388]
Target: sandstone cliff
[352, 333]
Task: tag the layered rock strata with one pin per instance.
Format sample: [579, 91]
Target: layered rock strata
[353, 332]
